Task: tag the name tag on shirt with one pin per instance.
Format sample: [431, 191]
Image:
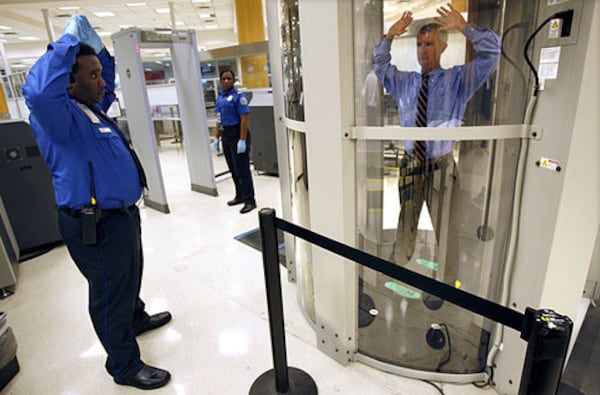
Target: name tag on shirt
[105, 130]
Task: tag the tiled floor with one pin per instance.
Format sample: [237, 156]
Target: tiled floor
[218, 342]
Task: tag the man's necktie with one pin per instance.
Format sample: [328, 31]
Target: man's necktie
[420, 147]
[117, 129]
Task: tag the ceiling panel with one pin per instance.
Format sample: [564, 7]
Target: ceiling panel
[23, 28]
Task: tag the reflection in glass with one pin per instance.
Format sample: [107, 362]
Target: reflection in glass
[291, 60]
[301, 217]
[368, 26]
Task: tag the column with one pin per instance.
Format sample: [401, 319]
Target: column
[251, 29]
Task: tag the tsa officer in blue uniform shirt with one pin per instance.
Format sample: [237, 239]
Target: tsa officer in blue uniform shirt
[97, 180]
[232, 130]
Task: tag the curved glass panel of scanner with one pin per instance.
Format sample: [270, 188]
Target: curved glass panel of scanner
[460, 240]
[463, 228]
[301, 216]
[298, 171]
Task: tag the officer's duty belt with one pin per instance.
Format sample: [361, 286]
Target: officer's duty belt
[105, 212]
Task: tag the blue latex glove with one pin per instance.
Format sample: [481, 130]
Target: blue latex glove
[241, 146]
[216, 144]
[80, 27]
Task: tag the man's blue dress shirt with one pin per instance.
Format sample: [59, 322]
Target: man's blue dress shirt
[449, 90]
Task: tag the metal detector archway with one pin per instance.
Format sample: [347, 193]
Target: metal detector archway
[192, 110]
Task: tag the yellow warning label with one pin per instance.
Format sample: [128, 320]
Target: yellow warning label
[548, 163]
[554, 27]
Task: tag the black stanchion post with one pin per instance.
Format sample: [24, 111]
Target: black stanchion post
[547, 334]
[282, 379]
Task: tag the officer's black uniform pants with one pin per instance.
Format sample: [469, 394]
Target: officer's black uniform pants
[113, 269]
[238, 164]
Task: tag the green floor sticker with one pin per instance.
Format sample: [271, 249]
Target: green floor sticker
[431, 265]
[402, 290]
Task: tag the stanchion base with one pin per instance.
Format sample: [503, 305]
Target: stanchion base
[300, 383]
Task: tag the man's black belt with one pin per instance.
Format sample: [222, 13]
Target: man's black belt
[421, 168]
[411, 166]
[105, 212]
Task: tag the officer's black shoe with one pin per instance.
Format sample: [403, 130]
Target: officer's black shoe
[235, 202]
[154, 321]
[247, 208]
[147, 378]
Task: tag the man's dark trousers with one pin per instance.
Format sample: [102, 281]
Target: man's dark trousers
[113, 268]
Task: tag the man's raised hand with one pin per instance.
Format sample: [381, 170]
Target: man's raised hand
[450, 18]
[401, 26]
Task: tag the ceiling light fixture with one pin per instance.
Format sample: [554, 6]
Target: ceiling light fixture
[2, 27]
[162, 10]
[135, 4]
[104, 14]
[68, 8]
[28, 38]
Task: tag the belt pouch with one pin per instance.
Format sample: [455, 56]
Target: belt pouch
[88, 225]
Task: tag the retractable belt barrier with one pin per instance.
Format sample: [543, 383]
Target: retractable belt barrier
[546, 332]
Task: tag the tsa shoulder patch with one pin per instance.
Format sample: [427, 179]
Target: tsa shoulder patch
[243, 101]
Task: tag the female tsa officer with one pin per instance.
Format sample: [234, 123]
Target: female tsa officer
[232, 129]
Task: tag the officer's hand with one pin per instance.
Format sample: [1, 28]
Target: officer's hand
[80, 27]
[241, 146]
[216, 145]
